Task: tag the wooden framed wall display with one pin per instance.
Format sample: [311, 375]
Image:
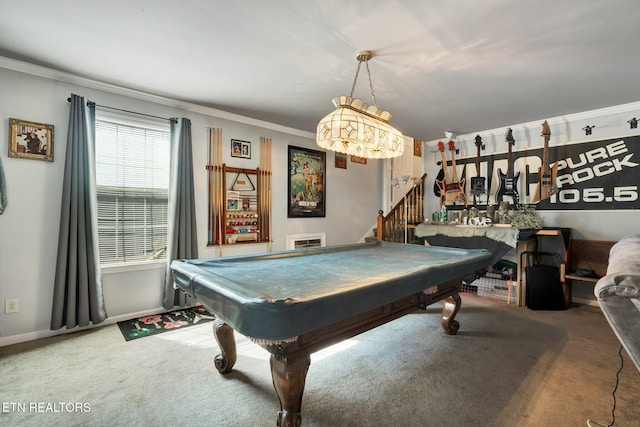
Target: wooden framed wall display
[241, 210]
[239, 198]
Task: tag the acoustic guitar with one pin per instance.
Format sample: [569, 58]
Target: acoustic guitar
[508, 183]
[478, 182]
[547, 181]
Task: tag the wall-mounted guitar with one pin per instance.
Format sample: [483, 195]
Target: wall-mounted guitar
[443, 176]
[508, 185]
[477, 182]
[547, 181]
[456, 188]
[450, 189]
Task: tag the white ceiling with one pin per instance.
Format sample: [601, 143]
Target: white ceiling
[439, 65]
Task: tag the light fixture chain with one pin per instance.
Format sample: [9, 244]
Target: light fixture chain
[370, 83]
[355, 79]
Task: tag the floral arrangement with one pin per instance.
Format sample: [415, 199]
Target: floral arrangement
[526, 218]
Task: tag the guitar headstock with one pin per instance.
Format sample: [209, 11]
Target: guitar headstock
[440, 146]
[452, 145]
[545, 129]
[479, 142]
[509, 137]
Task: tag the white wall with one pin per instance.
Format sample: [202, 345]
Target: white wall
[610, 123]
[29, 226]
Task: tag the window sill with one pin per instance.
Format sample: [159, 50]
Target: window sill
[133, 266]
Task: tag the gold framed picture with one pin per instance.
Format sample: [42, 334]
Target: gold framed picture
[29, 140]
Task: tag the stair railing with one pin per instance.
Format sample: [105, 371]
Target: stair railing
[391, 227]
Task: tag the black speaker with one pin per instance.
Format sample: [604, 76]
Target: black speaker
[544, 289]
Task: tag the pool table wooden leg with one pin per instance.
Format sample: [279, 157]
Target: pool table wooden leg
[224, 336]
[289, 375]
[449, 311]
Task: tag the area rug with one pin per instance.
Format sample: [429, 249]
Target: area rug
[159, 323]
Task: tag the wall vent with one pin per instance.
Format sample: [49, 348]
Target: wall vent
[308, 240]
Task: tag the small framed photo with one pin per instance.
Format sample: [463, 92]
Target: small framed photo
[233, 204]
[361, 160]
[341, 161]
[240, 149]
[246, 204]
[29, 140]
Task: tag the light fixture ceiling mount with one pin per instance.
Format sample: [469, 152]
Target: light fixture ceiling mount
[357, 128]
[364, 56]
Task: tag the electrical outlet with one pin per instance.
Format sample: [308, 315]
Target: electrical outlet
[11, 305]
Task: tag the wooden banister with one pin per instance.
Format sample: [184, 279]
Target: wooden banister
[391, 227]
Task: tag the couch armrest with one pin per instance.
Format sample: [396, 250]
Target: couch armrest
[618, 294]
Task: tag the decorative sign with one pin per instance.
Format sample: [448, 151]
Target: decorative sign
[341, 160]
[597, 175]
[358, 159]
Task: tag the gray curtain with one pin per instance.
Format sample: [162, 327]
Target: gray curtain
[182, 241]
[77, 292]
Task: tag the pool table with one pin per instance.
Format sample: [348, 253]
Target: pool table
[293, 303]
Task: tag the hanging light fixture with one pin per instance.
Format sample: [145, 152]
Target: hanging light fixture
[357, 128]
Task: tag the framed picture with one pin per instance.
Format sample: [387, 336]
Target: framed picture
[417, 147]
[361, 160]
[233, 204]
[341, 160]
[306, 183]
[240, 149]
[29, 140]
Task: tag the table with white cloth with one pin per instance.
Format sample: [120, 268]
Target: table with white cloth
[499, 240]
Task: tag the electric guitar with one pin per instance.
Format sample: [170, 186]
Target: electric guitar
[442, 182]
[508, 185]
[547, 182]
[477, 182]
[455, 188]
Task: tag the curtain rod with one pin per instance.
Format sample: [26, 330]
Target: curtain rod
[91, 103]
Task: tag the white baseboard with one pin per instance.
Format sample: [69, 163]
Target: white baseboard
[36, 335]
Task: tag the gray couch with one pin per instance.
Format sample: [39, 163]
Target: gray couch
[618, 294]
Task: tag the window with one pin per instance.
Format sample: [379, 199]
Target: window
[132, 183]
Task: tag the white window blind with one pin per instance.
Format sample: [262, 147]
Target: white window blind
[132, 183]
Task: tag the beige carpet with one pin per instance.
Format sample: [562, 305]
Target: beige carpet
[508, 366]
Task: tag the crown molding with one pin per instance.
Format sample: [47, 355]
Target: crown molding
[65, 77]
[632, 108]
